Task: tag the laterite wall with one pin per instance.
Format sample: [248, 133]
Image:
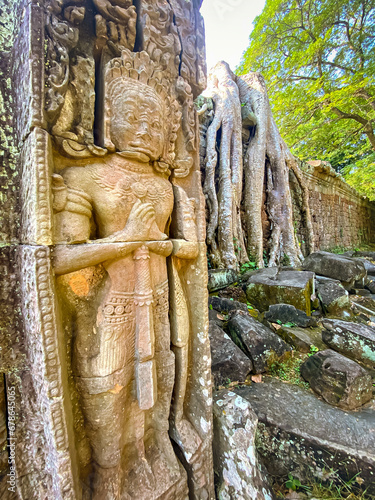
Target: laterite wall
[341, 217]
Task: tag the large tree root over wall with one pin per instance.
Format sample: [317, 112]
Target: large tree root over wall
[242, 156]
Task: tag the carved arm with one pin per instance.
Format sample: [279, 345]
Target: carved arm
[70, 258]
[185, 249]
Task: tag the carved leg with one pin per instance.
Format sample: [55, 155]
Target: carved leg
[104, 427]
[139, 480]
[182, 432]
[165, 370]
[165, 364]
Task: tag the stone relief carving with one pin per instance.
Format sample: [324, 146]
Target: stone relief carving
[159, 34]
[115, 24]
[70, 81]
[112, 219]
[108, 353]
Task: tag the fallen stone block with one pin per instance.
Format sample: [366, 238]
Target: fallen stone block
[366, 254]
[364, 304]
[221, 278]
[369, 266]
[338, 380]
[257, 341]
[361, 292]
[302, 339]
[286, 313]
[333, 297]
[234, 292]
[228, 362]
[371, 285]
[239, 473]
[215, 317]
[225, 305]
[345, 269]
[357, 341]
[274, 286]
[299, 434]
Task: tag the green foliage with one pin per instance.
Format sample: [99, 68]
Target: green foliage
[285, 261]
[288, 324]
[313, 350]
[332, 487]
[247, 266]
[288, 370]
[294, 483]
[318, 59]
[361, 176]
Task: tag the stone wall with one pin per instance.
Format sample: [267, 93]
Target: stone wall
[341, 217]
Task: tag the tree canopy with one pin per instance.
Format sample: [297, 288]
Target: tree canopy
[318, 59]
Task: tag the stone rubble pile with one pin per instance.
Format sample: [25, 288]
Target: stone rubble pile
[322, 315]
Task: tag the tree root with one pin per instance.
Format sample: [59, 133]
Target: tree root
[234, 184]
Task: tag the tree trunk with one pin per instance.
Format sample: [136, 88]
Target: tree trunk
[245, 156]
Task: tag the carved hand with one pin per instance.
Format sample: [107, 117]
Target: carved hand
[141, 218]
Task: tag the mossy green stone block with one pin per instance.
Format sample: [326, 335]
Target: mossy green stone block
[271, 286]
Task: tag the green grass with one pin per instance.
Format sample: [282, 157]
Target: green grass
[360, 248]
[335, 489]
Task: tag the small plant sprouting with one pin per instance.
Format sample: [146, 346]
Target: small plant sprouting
[313, 350]
[288, 324]
[247, 266]
[294, 484]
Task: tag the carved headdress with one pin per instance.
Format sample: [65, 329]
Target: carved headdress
[121, 74]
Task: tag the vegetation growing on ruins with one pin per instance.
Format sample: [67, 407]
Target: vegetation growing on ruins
[318, 60]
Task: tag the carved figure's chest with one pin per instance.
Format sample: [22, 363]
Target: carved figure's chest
[116, 190]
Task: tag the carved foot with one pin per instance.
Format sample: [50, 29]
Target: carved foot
[107, 483]
[184, 434]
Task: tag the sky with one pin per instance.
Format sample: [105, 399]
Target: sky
[228, 26]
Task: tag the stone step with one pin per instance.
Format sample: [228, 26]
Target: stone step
[302, 435]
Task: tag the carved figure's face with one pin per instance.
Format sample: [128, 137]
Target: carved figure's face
[137, 122]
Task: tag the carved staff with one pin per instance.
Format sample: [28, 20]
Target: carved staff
[145, 336]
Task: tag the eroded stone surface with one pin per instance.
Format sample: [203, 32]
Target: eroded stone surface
[357, 341]
[221, 278]
[229, 363]
[286, 313]
[333, 297]
[257, 341]
[338, 267]
[302, 339]
[274, 286]
[225, 305]
[299, 434]
[240, 473]
[339, 380]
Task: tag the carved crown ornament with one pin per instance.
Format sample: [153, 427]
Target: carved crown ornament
[76, 88]
[136, 72]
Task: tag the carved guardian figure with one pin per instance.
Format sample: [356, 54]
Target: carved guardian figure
[122, 362]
